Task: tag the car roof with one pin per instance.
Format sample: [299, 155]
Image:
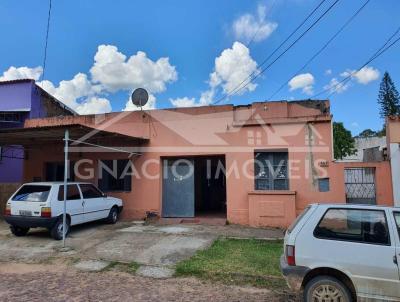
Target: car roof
[353, 206]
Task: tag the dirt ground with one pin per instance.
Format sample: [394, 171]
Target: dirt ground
[74, 286]
[33, 268]
[124, 242]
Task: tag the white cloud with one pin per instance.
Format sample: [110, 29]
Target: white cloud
[355, 125]
[111, 72]
[232, 67]
[231, 70]
[336, 86]
[68, 91]
[79, 94]
[328, 72]
[367, 74]
[363, 76]
[115, 71]
[207, 96]
[151, 104]
[303, 81]
[94, 105]
[250, 27]
[183, 102]
[14, 73]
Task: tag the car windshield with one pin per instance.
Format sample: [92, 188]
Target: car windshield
[293, 225]
[33, 193]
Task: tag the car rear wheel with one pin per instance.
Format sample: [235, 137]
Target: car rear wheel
[57, 230]
[113, 216]
[326, 288]
[18, 231]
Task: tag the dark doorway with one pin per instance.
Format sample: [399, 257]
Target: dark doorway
[210, 186]
[194, 187]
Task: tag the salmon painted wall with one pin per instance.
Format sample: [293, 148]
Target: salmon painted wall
[303, 129]
[393, 143]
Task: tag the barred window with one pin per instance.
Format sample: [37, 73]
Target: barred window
[271, 171]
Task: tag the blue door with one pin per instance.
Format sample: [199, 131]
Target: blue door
[178, 188]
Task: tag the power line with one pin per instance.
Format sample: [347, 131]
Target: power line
[46, 40]
[276, 49]
[348, 78]
[257, 74]
[385, 47]
[291, 45]
[321, 49]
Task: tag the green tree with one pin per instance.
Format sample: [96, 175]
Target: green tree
[368, 133]
[382, 132]
[343, 141]
[388, 97]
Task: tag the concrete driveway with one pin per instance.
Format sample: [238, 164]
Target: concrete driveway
[156, 248]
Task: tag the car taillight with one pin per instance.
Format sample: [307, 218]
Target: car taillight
[45, 212]
[7, 211]
[290, 255]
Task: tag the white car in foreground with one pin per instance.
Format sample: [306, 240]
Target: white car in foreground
[42, 204]
[344, 253]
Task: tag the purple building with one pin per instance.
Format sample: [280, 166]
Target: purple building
[20, 100]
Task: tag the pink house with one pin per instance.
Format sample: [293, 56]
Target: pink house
[260, 164]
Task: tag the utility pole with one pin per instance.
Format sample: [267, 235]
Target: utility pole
[66, 139]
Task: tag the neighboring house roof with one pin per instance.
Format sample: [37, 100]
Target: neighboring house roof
[56, 100]
[16, 110]
[367, 147]
[41, 90]
[16, 81]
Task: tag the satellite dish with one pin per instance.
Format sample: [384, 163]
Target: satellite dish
[140, 97]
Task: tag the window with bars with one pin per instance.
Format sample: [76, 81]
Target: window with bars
[271, 171]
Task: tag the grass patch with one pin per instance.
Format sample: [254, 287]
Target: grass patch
[237, 261]
[130, 268]
[133, 267]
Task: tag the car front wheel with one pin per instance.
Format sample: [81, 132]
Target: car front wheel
[326, 288]
[113, 216]
[18, 231]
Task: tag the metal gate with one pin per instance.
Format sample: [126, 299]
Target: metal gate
[360, 185]
[178, 188]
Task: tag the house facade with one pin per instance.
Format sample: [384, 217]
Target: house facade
[260, 164]
[21, 100]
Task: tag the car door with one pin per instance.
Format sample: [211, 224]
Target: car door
[74, 203]
[95, 206]
[396, 230]
[358, 242]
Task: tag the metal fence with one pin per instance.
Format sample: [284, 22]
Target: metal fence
[360, 185]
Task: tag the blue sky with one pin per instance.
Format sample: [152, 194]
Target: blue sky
[192, 48]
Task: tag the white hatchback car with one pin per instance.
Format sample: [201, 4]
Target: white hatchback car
[344, 253]
[42, 204]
